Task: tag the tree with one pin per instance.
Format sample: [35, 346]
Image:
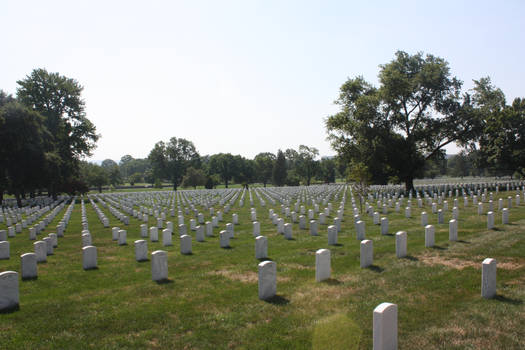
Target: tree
[134, 178]
[360, 176]
[306, 164]
[224, 165]
[244, 170]
[264, 166]
[417, 110]
[171, 160]
[194, 177]
[279, 172]
[94, 175]
[22, 156]
[326, 170]
[502, 136]
[58, 99]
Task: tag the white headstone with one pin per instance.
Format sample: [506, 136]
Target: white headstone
[401, 244]
[166, 238]
[490, 220]
[385, 327]
[185, 244]
[154, 234]
[366, 253]
[332, 235]
[40, 251]
[453, 230]
[488, 278]
[302, 222]
[313, 227]
[384, 226]
[261, 247]
[89, 257]
[9, 293]
[143, 230]
[288, 232]
[360, 230]
[159, 265]
[141, 250]
[224, 239]
[122, 237]
[424, 219]
[28, 262]
[4, 250]
[256, 228]
[209, 229]
[267, 280]
[322, 265]
[429, 236]
[505, 216]
[114, 233]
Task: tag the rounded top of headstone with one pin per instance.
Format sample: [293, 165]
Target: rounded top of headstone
[489, 261]
[267, 263]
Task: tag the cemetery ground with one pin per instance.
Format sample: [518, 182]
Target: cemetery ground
[210, 299]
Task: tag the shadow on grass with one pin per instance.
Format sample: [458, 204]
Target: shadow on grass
[504, 299]
[437, 247]
[338, 245]
[389, 234]
[143, 260]
[92, 268]
[190, 253]
[496, 229]
[463, 241]
[332, 281]
[265, 259]
[278, 300]
[376, 268]
[290, 239]
[28, 279]
[411, 258]
[228, 247]
[164, 281]
[10, 309]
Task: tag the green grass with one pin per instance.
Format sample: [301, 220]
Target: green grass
[211, 299]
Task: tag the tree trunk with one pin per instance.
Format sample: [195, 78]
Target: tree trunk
[409, 184]
[1, 196]
[99, 189]
[18, 199]
[174, 186]
[226, 183]
[264, 183]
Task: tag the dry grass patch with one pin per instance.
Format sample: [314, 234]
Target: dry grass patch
[459, 264]
[244, 277]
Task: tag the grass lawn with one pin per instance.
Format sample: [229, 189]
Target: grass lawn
[211, 298]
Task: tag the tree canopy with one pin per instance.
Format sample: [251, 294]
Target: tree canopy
[417, 110]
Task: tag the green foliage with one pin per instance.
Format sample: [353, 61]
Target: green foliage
[326, 170]
[135, 178]
[306, 166]
[264, 166]
[58, 99]
[94, 175]
[170, 160]
[279, 172]
[22, 155]
[416, 111]
[194, 177]
[224, 165]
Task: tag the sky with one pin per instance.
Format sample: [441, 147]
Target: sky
[244, 77]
